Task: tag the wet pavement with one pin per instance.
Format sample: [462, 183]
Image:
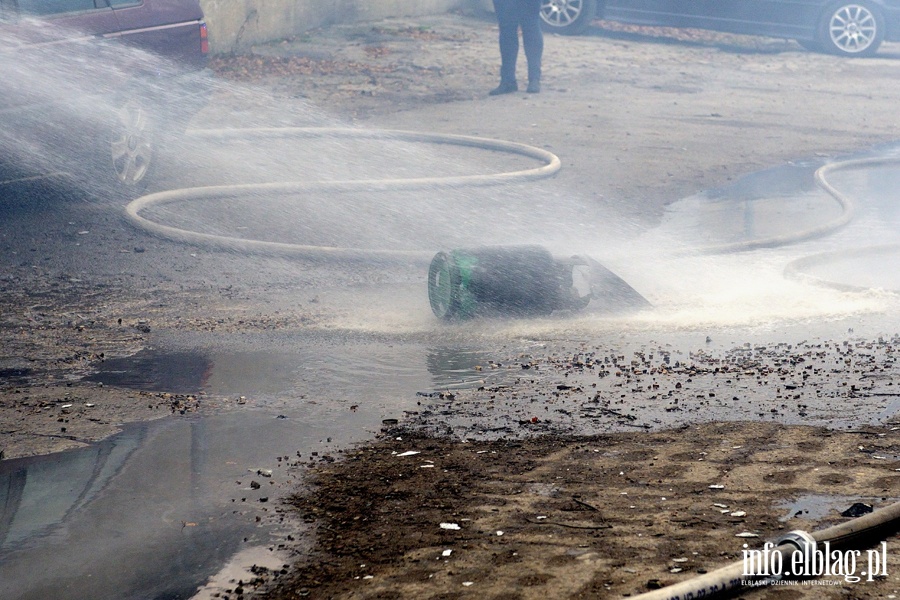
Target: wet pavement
[156, 510]
[778, 206]
[159, 508]
[147, 513]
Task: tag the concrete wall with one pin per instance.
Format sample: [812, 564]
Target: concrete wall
[235, 25]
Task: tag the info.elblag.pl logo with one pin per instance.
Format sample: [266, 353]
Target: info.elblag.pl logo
[815, 560]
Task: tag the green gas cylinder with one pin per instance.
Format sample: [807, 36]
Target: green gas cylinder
[518, 281]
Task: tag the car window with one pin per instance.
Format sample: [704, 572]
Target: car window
[55, 7]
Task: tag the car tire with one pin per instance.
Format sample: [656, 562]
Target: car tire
[851, 28]
[131, 150]
[568, 17]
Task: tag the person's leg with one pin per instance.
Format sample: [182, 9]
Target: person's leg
[533, 40]
[507, 19]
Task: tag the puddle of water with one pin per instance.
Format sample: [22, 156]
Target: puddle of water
[242, 567]
[290, 368]
[156, 510]
[785, 200]
[873, 270]
[175, 372]
[815, 507]
[770, 203]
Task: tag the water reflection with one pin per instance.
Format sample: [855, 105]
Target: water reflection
[110, 521]
[155, 510]
[38, 495]
[176, 372]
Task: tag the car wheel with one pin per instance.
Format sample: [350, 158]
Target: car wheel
[132, 143]
[568, 17]
[851, 29]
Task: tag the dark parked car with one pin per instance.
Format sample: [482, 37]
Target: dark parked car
[845, 27]
[94, 87]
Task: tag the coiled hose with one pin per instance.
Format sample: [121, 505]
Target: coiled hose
[133, 210]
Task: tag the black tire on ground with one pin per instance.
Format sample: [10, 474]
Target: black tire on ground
[851, 28]
[568, 17]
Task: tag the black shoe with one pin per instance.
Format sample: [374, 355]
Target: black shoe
[534, 87]
[504, 88]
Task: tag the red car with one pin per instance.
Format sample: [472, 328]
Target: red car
[95, 87]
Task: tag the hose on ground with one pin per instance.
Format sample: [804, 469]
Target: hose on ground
[845, 204]
[133, 210]
[733, 576]
[797, 269]
[550, 167]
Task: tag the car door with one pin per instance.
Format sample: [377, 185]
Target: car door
[779, 18]
[173, 30]
[671, 13]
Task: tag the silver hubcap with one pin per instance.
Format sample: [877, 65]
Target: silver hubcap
[131, 145]
[853, 28]
[560, 13]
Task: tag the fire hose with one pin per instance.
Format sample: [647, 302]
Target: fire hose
[133, 210]
[734, 576]
[845, 205]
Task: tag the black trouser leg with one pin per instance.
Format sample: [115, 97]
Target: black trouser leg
[508, 20]
[532, 37]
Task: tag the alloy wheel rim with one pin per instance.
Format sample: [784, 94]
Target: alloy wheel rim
[853, 28]
[561, 12]
[131, 146]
